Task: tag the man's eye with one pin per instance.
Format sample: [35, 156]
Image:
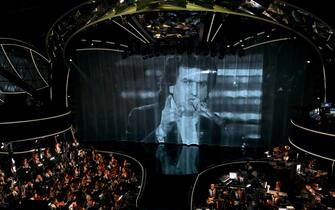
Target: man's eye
[188, 82]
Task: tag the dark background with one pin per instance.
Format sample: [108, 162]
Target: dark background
[29, 20]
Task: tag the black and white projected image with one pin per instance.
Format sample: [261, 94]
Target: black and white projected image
[179, 104]
[172, 99]
[183, 113]
[199, 102]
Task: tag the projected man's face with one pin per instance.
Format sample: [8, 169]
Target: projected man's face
[190, 89]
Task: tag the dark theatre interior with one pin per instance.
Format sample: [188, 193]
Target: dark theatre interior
[167, 104]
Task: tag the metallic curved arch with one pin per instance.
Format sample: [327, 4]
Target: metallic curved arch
[41, 137]
[324, 138]
[153, 6]
[36, 120]
[11, 42]
[311, 130]
[309, 152]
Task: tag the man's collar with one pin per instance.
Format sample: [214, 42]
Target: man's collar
[173, 104]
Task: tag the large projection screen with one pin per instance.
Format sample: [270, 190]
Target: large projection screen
[189, 99]
[177, 99]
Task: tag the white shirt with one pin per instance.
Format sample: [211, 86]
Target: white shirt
[188, 126]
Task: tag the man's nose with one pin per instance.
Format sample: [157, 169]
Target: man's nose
[195, 89]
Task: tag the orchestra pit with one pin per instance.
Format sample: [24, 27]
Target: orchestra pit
[167, 105]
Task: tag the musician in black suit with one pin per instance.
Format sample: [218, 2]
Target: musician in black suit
[212, 197]
[182, 115]
[181, 120]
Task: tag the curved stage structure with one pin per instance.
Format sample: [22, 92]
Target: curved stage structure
[25, 130]
[27, 109]
[313, 141]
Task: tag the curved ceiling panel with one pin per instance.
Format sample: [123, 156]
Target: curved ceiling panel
[23, 69]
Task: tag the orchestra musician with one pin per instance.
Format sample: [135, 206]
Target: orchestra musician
[276, 198]
[212, 197]
[239, 196]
